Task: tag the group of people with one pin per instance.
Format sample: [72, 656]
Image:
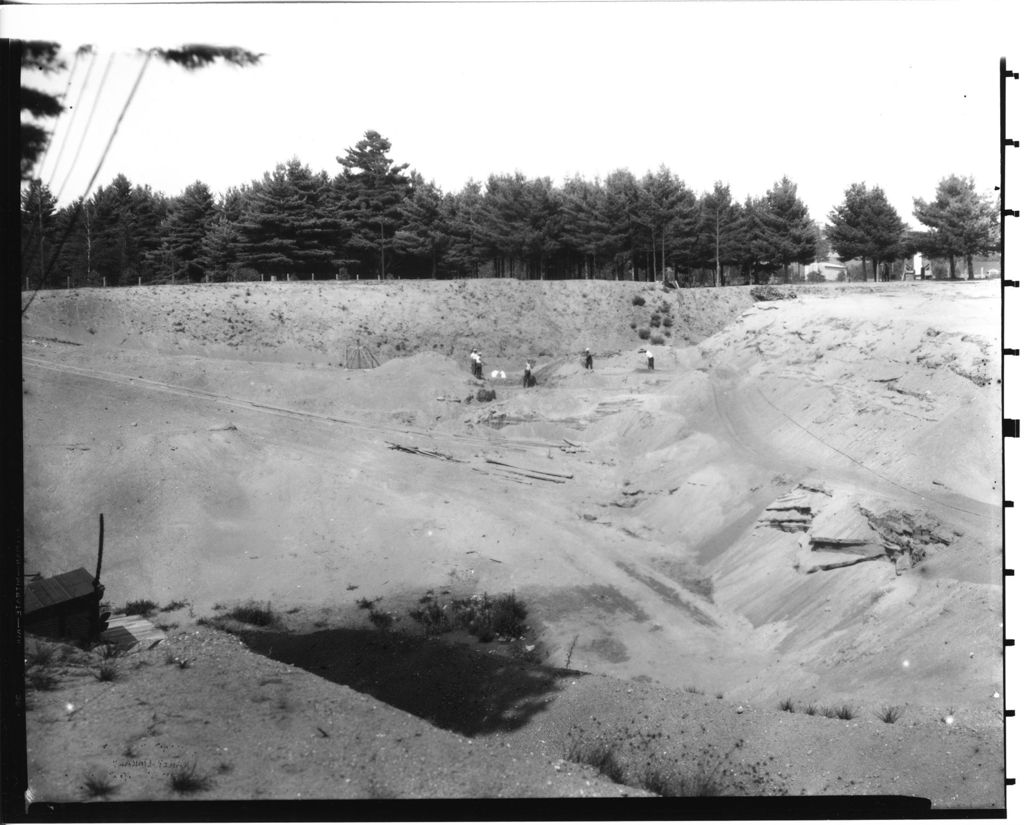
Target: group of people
[476, 365]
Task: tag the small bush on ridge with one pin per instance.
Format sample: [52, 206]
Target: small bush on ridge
[254, 613]
[140, 607]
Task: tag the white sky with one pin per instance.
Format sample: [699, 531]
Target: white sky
[896, 94]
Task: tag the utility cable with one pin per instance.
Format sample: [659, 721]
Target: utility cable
[71, 121]
[88, 123]
[80, 202]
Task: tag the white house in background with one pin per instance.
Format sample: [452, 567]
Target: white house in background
[831, 269]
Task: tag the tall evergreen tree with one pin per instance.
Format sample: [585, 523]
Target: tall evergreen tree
[124, 230]
[425, 233]
[463, 214]
[664, 202]
[785, 233]
[187, 223]
[960, 222]
[620, 204]
[370, 200]
[38, 207]
[865, 226]
[287, 223]
[719, 225]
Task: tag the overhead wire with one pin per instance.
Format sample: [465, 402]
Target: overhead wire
[88, 123]
[79, 203]
[30, 243]
[71, 120]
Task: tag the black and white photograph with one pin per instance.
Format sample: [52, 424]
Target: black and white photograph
[595, 407]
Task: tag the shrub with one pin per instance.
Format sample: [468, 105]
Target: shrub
[655, 320]
[186, 778]
[141, 607]
[381, 619]
[667, 321]
[97, 782]
[254, 613]
[508, 616]
[366, 604]
[434, 616]
[657, 339]
[639, 300]
[599, 755]
[107, 673]
[40, 680]
[890, 714]
[39, 655]
[644, 333]
[177, 604]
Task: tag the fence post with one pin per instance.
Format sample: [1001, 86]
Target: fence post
[104, 280]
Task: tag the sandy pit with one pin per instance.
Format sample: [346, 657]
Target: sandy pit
[682, 538]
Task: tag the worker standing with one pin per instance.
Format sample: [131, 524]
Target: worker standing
[650, 360]
[528, 375]
[588, 359]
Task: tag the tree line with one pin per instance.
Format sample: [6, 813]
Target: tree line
[376, 218]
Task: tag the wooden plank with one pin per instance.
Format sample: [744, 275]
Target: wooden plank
[527, 469]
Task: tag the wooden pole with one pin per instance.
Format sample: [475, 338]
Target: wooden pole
[99, 555]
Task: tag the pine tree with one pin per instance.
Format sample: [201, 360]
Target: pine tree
[720, 224]
[865, 226]
[374, 188]
[463, 212]
[785, 232]
[38, 207]
[187, 223]
[287, 223]
[960, 223]
[424, 234]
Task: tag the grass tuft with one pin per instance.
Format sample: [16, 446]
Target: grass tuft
[141, 607]
[787, 705]
[890, 714]
[41, 680]
[107, 673]
[254, 613]
[186, 778]
[97, 783]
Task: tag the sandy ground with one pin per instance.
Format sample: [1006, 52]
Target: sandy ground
[635, 512]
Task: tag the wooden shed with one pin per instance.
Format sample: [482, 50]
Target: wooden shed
[66, 606]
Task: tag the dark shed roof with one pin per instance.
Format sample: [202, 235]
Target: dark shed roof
[56, 589]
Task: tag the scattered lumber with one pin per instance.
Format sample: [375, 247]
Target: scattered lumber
[428, 453]
[838, 564]
[528, 469]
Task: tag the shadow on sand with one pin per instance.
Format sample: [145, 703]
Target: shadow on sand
[450, 685]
